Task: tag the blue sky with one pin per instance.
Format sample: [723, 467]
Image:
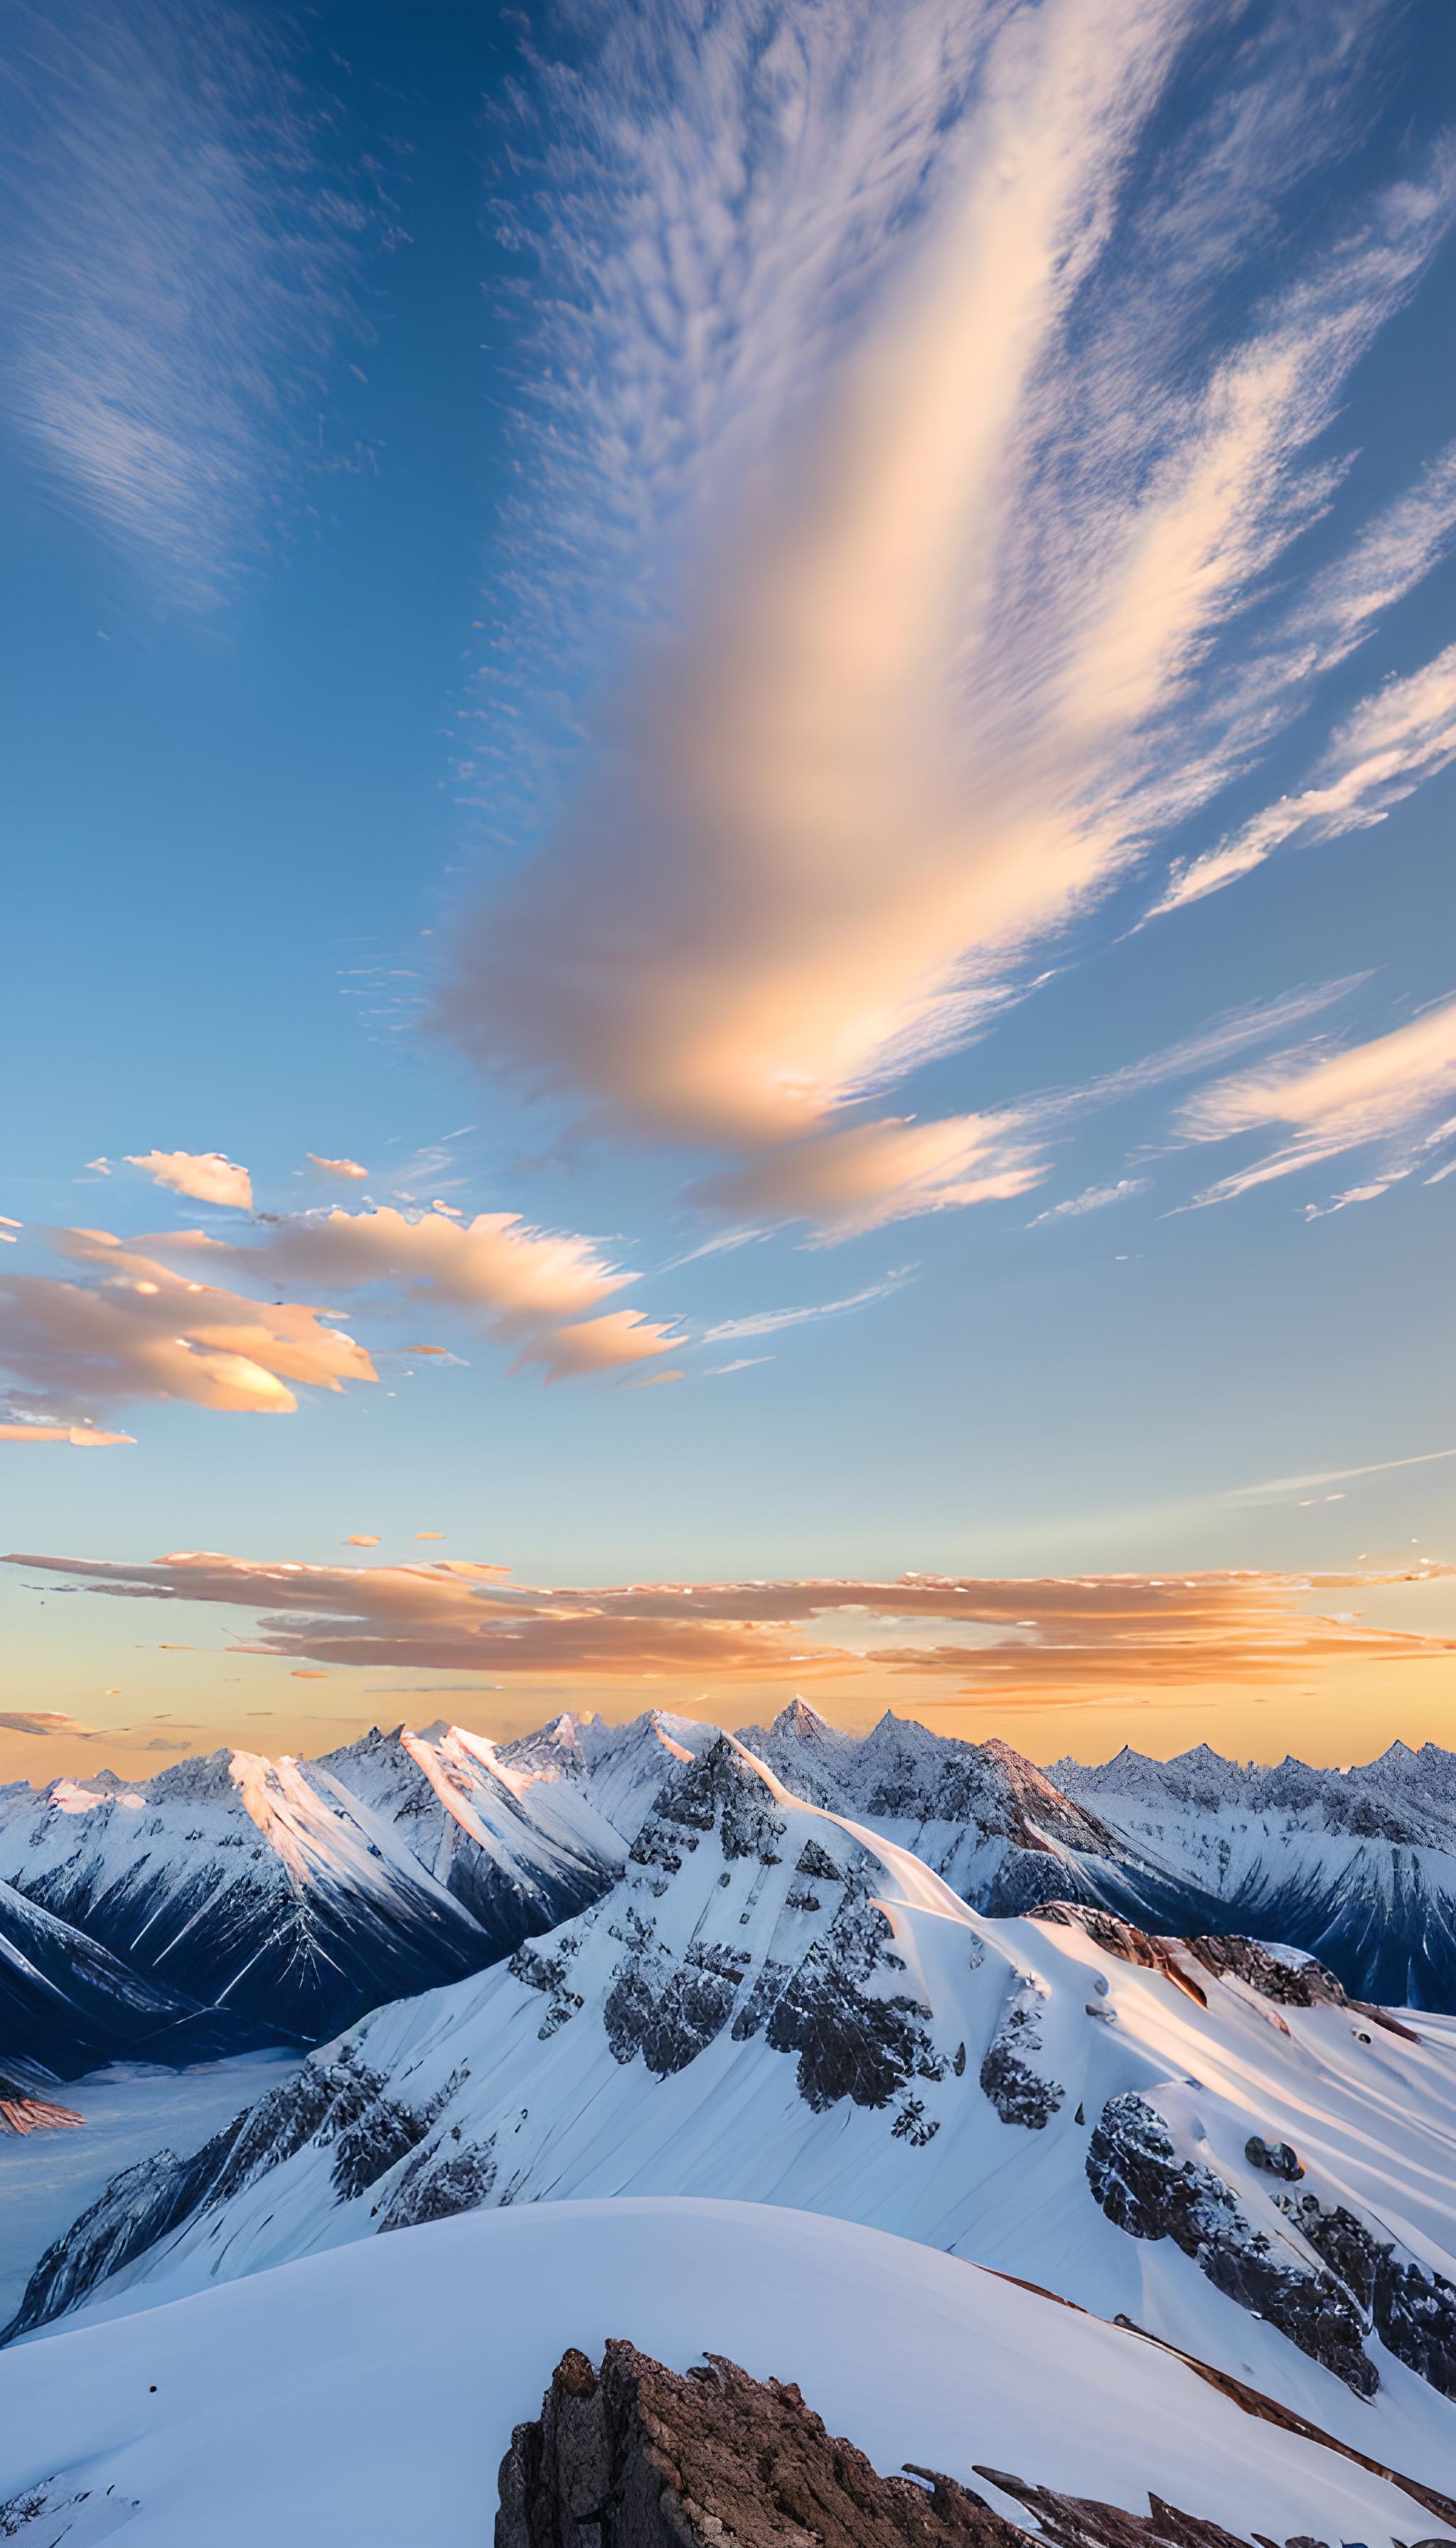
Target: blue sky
[655, 634]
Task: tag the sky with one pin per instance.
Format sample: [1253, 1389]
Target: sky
[729, 778]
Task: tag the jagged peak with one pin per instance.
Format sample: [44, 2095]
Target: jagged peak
[203, 1776]
[800, 1719]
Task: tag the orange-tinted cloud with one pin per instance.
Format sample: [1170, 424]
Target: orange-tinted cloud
[205, 1175]
[1079, 1636]
[951, 671]
[81, 1437]
[520, 1283]
[139, 1330]
[362, 1539]
[1395, 1090]
[339, 1168]
[622, 1337]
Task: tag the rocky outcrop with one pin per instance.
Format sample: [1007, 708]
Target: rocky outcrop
[1414, 2309]
[1135, 2174]
[635, 2456]
[1018, 2089]
[852, 2039]
[449, 2178]
[1119, 1938]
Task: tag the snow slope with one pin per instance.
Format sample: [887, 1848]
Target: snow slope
[775, 2004]
[369, 2395]
[297, 1893]
[1358, 1866]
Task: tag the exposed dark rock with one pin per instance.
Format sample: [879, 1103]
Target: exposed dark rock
[1019, 2091]
[722, 1789]
[1076, 2521]
[1119, 1938]
[851, 2044]
[1276, 2158]
[1135, 2173]
[441, 2182]
[551, 1974]
[1414, 2309]
[814, 1860]
[1302, 1986]
[640, 2457]
[374, 2143]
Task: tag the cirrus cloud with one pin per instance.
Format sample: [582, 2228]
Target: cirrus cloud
[977, 524]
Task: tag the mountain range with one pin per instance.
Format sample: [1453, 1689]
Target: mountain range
[234, 1900]
[773, 2003]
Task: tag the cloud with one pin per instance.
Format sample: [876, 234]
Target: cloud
[135, 1329]
[856, 1180]
[179, 262]
[37, 1721]
[1393, 1090]
[362, 1539]
[745, 1362]
[598, 1345]
[81, 1437]
[1092, 1199]
[102, 1166]
[1274, 1489]
[342, 1168]
[973, 524]
[204, 1174]
[768, 1323]
[520, 1284]
[1079, 1636]
[1401, 736]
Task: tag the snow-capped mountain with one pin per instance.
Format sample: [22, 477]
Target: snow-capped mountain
[773, 2003]
[66, 2005]
[297, 1893]
[377, 2386]
[993, 1824]
[1357, 1866]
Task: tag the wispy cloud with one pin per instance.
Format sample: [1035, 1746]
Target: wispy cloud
[1395, 1090]
[977, 548]
[769, 1323]
[178, 264]
[1403, 735]
[339, 1168]
[1077, 1637]
[1274, 1489]
[1092, 1199]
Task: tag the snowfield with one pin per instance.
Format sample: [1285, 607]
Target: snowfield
[368, 2396]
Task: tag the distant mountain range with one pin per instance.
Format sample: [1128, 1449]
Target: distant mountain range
[771, 2002]
[234, 1900]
